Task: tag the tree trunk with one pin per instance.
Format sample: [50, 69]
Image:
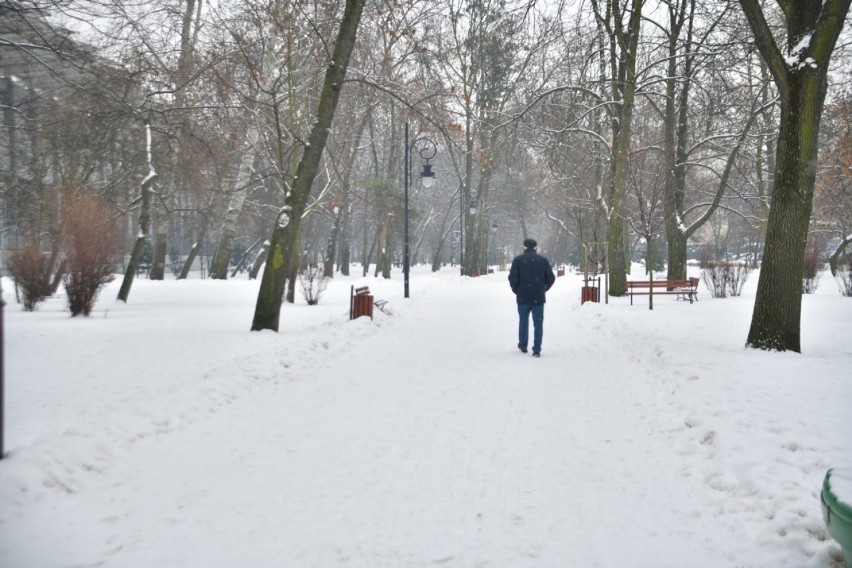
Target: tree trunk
[650, 261]
[625, 86]
[832, 260]
[345, 254]
[268, 307]
[766, 164]
[158, 262]
[144, 223]
[293, 272]
[675, 140]
[777, 310]
[196, 248]
[331, 253]
[242, 261]
[469, 225]
[190, 28]
[58, 276]
[222, 256]
[387, 248]
[801, 79]
[259, 260]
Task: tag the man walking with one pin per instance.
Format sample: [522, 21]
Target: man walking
[530, 277]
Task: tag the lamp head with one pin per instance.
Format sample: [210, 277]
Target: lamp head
[427, 176]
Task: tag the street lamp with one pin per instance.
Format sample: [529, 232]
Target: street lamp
[427, 176]
[494, 232]
[463, 227]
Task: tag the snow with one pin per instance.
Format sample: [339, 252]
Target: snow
[794, 58]
[841, 485]
[163, 433]
[152, 173]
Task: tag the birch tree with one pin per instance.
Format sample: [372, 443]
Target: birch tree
[146, 188]
[271, 62]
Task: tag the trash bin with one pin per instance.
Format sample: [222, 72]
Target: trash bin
[588, 294]
[362, 305]
[836, 500]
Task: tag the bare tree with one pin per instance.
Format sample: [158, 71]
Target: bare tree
[623, 28]
[800, 72]
[286, 230]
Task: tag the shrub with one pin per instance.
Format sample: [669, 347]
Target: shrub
[843, 275]
[93, 248]
[30, 269]
[175, 261]
[704, 255]
[725, 278]
[314, 282]
[812, 268]
[714, 278]
[736, 275]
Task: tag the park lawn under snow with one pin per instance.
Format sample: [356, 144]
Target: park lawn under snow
[162, 433]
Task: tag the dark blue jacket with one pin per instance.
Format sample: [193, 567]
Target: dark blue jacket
[530, 277]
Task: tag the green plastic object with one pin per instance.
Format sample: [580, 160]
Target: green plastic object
[836, 500]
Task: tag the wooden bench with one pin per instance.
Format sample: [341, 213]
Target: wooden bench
[686, 289]
[361, 302]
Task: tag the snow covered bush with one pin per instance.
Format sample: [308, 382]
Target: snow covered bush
[314, 282]
[30, 269]
[93, 248]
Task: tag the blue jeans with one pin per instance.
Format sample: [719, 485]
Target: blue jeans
[524, 311]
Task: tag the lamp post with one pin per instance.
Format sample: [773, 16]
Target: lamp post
[472, 210]
[427, 176]
[494, 232]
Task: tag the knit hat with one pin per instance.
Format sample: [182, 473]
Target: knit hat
[530, 243]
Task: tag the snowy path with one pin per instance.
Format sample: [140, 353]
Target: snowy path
[427, 439]
[450, 452]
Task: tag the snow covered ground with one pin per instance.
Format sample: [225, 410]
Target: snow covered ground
[162, 433]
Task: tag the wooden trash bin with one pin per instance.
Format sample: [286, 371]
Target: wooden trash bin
[361, 304]
[588, 294]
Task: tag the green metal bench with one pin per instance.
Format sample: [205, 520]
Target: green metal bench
[836, 500]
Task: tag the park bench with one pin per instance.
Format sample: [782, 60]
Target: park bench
[361, 302]
[686, 289]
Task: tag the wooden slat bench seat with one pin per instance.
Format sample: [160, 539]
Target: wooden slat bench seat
[686, 289]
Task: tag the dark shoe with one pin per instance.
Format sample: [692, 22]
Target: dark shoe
[536, 354]
[523, 349]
